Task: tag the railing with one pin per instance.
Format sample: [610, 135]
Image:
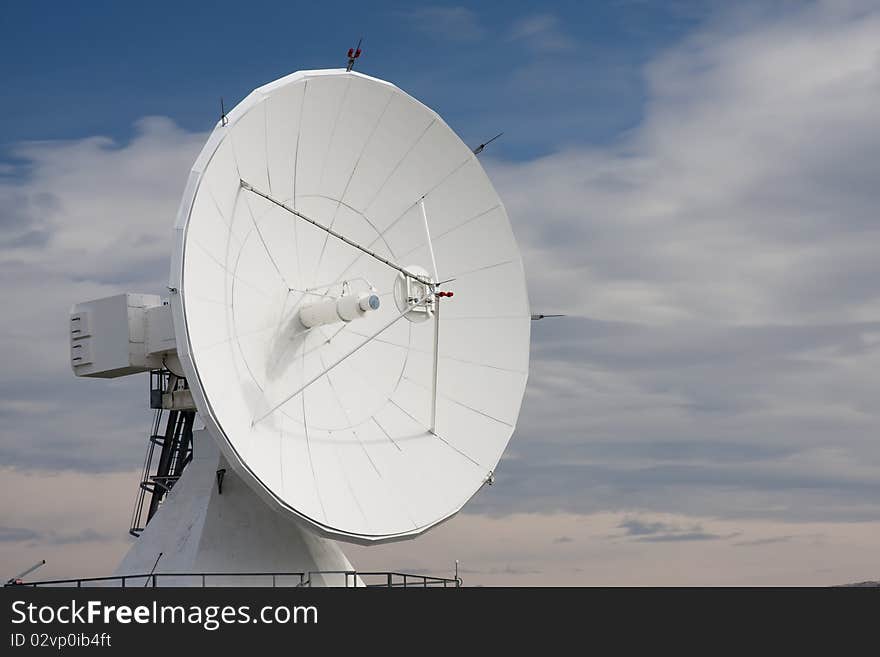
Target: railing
[385, 579]
[346, 578]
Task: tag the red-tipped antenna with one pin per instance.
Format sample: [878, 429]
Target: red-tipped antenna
[353, 54]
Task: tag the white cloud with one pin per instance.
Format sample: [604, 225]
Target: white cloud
[447, 23]
[83, 219]
[95, 211]
[541, 33]
[83, 534]
[746, 195]
[524, 550]
[725, 251]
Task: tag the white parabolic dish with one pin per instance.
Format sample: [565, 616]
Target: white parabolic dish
[352, 452]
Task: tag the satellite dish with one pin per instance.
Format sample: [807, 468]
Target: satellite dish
[349, 306]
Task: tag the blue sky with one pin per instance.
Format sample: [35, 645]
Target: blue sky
[80, 69]
[694, 183]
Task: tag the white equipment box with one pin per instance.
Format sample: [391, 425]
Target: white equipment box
[120, 335]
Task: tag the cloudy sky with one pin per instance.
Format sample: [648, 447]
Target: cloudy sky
[698, 188]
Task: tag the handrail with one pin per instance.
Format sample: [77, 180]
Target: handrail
[391, 579]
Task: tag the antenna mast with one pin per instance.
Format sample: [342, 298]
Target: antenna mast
[353, 54]
[17, 579]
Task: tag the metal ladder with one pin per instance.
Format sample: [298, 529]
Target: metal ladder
[174, 454]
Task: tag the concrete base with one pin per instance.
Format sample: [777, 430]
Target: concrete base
[198, 529]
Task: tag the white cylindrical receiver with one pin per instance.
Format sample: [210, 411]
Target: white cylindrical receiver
[341, 309]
